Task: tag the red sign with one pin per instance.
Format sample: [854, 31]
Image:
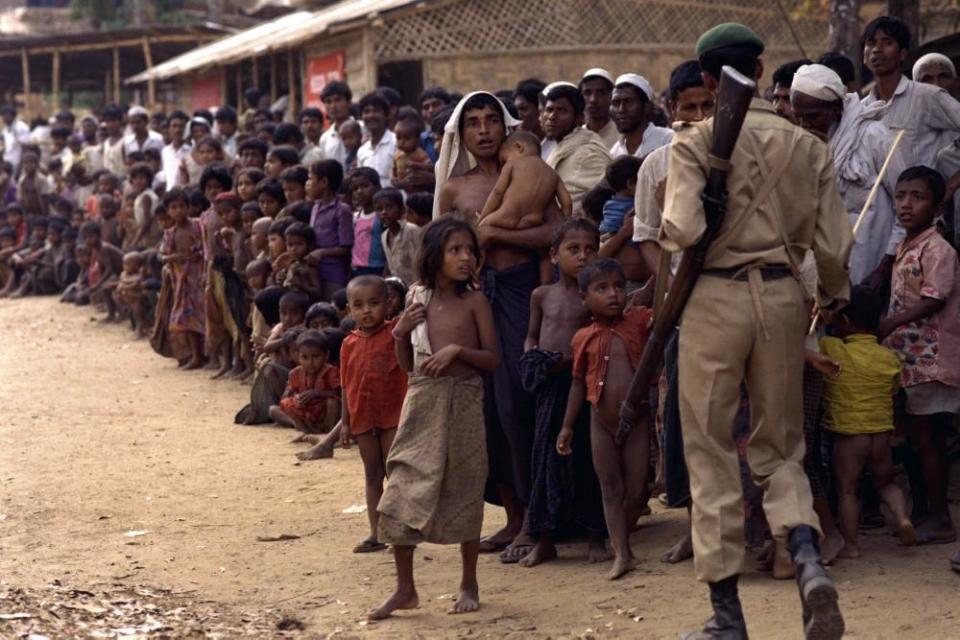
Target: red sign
[321, 71]
[205, 91]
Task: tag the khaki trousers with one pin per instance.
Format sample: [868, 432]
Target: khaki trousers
[734, 331]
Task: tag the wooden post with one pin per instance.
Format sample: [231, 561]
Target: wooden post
[255, 76]
[151, 83]
[273, 77]
[116, 75]
[291, 84]
[240, 85]
[55, 82]
[25, 62]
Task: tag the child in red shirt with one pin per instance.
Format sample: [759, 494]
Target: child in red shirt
[310, 388]
[605, 355]
[374, 386]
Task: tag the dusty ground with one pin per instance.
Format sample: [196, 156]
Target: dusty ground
[101, 440]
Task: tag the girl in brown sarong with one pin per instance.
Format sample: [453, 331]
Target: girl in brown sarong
[437, 466]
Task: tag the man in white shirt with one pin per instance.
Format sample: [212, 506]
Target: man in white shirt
[141, 137]
[596, 85]
[381, 146]
[631, 108]
[172, 155]
[336, 98]
[311, 126]
[16, 133]
[226, 120]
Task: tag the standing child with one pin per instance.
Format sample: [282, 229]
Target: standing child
[311, 387]
[605, 355]
[332, 223]
[563, 491]
[352, 137]
[300, 275]
[859, 410]
[400, 239]
[146, 231]
[182, 252]
[437, 467]
[923, 326]
[130, 292]
[367, 255]
[216, 179]
[32, 188]
[374, 385]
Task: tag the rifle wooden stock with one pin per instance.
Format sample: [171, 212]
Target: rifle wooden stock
[733, 101]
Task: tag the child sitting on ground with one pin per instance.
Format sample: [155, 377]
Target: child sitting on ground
[605, 355]
[564, 490]
[312, 387]
[437, 466]
[923, 326]
[859, 410]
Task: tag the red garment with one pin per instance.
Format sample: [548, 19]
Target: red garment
[21, 232]
[313, 412]
[591, 347]
[374, 384]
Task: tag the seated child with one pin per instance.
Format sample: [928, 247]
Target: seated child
[437, 467]
[923, 326]
[409, 151]
[622, 177]
[78, 292]
[605, 355]
[859, 410]
[311, 388]
[526, 188]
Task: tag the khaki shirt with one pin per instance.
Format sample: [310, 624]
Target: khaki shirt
[805, 201]
[580, 160]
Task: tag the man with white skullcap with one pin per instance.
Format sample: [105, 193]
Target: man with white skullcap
[596, 85]
[936, 69]
[859, 142]
[631, 108]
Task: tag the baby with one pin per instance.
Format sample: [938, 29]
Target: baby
[129, 291]
[526, 187]
[409, 151]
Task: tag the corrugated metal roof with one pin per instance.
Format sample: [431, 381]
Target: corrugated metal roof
[277, 35]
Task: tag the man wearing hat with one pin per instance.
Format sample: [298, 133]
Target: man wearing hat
[859, 142]
[631, 108]
[141, 137]
[596, 85]
[745, 321]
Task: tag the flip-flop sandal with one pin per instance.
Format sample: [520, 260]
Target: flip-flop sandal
[492, 546]
[924, 538]
[369, 546]
[515, 553]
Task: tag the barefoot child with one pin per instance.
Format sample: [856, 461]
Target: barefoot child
[437, 467]
[131, 293]
[859, 410]
[923, 326]
[374, 386]
[300, 240]
[564, 489]
[605, 355]
[182, 252]
[311, 387]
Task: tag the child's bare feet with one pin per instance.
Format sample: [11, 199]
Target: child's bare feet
[831, 545]
[621, 566]
[397, 601]
[193, 363]
[544, 551]
[222, 371]
[467, 601]
[300, 438]
[316, 452]
[849, 552]
[906, 533]
[597, 551]
[682, 550]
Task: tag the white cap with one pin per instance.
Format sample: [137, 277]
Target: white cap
[639, 82]
[553, 85]
[818, 81]
[597, 72]
[136, 111]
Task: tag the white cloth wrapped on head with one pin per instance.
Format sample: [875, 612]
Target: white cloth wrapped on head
[820, 82]
[932, 58]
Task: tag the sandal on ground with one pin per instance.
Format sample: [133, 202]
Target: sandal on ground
[514, 553]
[492, 546]
[369, 546]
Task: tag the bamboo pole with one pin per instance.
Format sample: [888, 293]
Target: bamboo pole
[101, 46]
[151, 83]
[25, 63]
[55, 89]
[116, 75]
[273, 77]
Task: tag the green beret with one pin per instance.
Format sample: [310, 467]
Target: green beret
[728, 34]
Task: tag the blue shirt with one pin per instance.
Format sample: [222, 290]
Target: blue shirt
[614, 211]
[426, 143]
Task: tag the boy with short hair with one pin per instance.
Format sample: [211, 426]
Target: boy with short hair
[400, 239]
[367, 257]
[332, 222]
[419, 209]
[293, 180]
[32, 188]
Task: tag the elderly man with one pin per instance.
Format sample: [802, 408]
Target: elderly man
[632, 110]
[936, 69]
[859, 142]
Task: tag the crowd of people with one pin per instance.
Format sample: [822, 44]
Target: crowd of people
[464, 288]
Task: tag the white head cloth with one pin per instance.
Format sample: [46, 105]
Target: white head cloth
[932, 58]
[597, 72]
[820, 82]
[553, 85]
[639, 82]
[454, 158]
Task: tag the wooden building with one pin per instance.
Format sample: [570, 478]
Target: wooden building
[469, 44]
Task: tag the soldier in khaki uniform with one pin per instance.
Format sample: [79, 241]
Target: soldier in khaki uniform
[745, 322]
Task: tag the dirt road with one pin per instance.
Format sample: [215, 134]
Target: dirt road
[118, 469]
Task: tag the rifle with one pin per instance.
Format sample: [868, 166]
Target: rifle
[733, 100]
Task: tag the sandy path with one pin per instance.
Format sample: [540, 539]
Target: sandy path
[99, 436]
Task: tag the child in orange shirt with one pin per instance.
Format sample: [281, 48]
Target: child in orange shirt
[374, 386]
[605, 355]
[311, 387]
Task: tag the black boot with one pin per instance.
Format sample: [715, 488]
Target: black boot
[822, 619]
[727, 622]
